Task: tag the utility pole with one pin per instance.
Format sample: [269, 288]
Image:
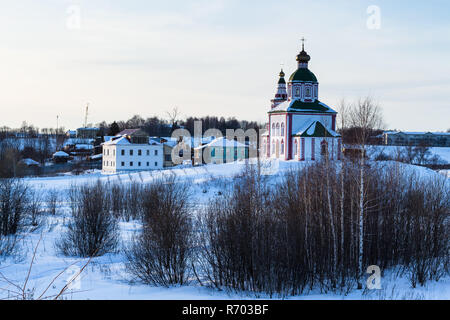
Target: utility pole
[86, 115]
[56, 133]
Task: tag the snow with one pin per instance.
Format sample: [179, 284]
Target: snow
[29, 162]
[311, 129]
[106, 277]
[60, 154]
[442, 152]
[223, 142]
[84, 147]
[97, 156]
[122, 141]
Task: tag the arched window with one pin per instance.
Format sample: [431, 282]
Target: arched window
[273, 146]
[282, 146]
[295, 147]
[273, 129]
[282, 129]
[278, 129]
[308, 92]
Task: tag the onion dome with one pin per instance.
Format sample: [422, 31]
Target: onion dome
[303, 57]
[282, 74]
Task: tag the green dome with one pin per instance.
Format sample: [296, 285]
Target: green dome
[303, 74]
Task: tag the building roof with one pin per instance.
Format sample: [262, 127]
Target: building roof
[418, 133]
[60, 154]
[315, 129]
[224, 143]
[299, 106]
[117, 140]
[29, 162]
[88, 129]
[303, 74]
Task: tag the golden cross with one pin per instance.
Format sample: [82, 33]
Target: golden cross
[303, 43]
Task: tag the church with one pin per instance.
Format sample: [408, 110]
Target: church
[300, 127]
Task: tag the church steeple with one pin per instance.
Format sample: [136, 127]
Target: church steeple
[281, 94]
[303, 57]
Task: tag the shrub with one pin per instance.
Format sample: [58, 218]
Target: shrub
[161, 254]
[93, 230]
[13, 209]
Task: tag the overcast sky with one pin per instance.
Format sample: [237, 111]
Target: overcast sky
[218, 57]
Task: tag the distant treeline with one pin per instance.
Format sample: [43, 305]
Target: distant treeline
[155, 126]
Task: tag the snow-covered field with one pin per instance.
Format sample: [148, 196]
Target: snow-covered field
[392, 151]
[106, 278]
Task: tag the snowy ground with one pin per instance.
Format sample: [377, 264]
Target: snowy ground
[105, 277]
[392, 151]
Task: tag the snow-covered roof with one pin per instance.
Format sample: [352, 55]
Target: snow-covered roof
[223, 142]
[75, 141]
[84, 146]
[97, 156]
[315, 129]
[418, 133]
[29, 162]
[299, 106]
[117, 141]
[60, 154]
[89, 129]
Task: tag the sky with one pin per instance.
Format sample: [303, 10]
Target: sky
[219, 57]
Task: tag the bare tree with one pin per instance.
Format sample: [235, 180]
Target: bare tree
[173, 116]
[365, 116]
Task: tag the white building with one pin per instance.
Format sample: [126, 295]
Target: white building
[300, 126]
[131, 151]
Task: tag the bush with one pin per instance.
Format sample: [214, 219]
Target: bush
[242, 240]
[161, 254]
[13, 210]
[52, 201]
[303, 232]
[93, 230]
[35, 209]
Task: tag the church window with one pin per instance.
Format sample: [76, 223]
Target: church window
[273, 146]
[282, 129]
[297, 92]
[308, 91]
[282, 146]
[278, 129]
[295, 147]
[273, 129]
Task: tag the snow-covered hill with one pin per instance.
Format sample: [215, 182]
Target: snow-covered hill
[105, 277]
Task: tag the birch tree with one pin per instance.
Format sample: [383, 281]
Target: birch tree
[365, 115]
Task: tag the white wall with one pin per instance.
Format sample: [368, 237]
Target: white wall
[277, 137]
[151, 157]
